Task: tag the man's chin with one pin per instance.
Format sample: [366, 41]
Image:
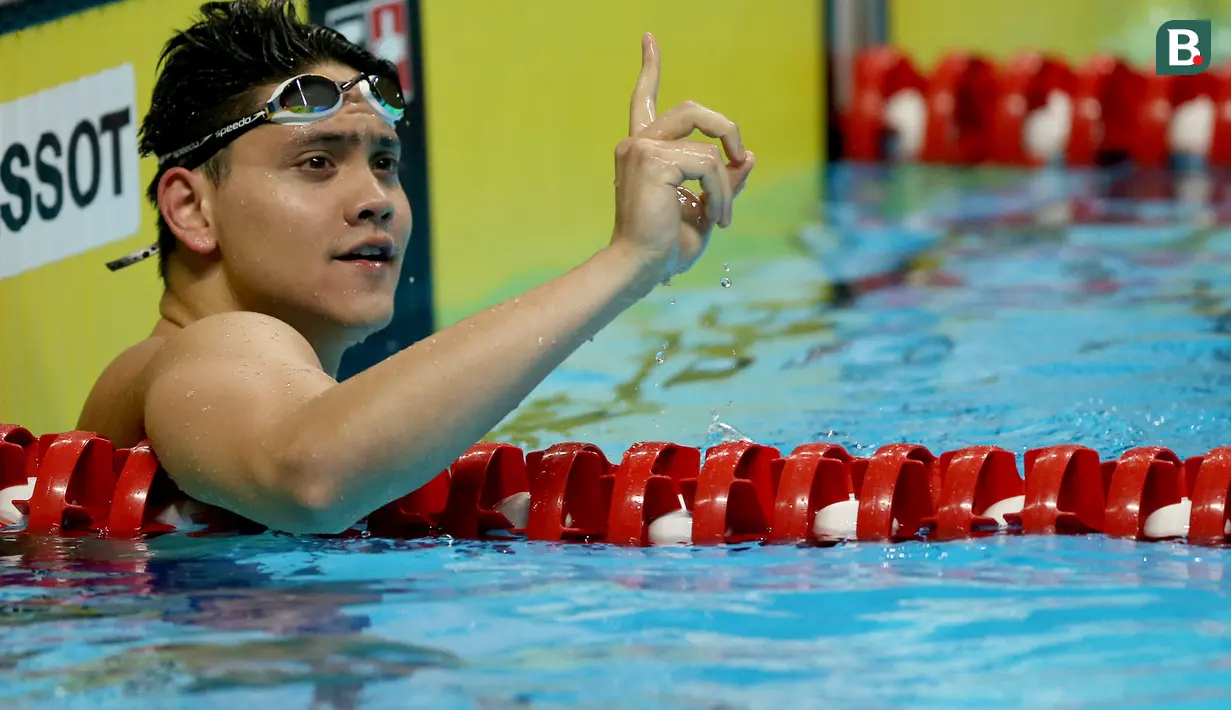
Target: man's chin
[363, 322]
[366, 322]
[334, 314]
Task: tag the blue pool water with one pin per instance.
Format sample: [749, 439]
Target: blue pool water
[945, 308]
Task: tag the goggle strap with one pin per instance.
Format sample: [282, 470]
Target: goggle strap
[129, 260]
[234, 125]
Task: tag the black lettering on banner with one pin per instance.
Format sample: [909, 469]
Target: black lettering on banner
[84, 129]
[112, 123]
[15, 185]
[49, 174]
[76, 163]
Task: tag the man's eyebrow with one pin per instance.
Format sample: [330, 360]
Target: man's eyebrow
[351, 138]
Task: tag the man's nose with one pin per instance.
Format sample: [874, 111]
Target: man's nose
[377, 209]
[372, 202]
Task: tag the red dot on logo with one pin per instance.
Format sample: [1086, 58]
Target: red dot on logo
[1197, 59]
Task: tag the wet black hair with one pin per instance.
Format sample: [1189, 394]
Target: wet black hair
[209, 74]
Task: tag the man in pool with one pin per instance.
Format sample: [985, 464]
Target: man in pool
[282, 226]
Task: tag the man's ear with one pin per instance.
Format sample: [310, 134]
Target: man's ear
[185, 200]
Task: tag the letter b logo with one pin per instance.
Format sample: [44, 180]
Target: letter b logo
[1182, 47]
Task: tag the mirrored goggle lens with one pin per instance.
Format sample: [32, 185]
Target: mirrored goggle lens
[309, 94]
[389, 93]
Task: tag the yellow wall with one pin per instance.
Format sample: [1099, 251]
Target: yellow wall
[60, 324]
[1073, 29]
[527, 101]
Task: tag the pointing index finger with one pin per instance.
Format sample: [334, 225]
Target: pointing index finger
[645, 95]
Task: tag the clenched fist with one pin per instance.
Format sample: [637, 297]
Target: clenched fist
[666, 222]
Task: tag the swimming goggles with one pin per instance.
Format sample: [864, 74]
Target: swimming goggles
[301, 99]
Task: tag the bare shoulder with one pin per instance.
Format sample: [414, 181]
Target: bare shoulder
[230, 354]
[243, 335]
[113, 407]
[216, 392]
[180, 362]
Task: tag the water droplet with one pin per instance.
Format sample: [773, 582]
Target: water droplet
[410, 280]
[206, 408]
[673, 301]
[659, 357]
[274, 335]
[190, 393]
[726, 266]
[540, 340]
[726, 283]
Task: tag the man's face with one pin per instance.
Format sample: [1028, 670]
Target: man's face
[297, 205]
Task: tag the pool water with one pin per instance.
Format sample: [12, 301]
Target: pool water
[941, 307]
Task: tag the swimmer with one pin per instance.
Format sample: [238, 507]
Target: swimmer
[282, 229]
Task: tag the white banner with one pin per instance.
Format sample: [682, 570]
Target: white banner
[68, 170]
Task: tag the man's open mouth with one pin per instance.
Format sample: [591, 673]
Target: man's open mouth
[369, 253]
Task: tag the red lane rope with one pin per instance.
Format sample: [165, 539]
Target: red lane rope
[733, 492]
[974, 110]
